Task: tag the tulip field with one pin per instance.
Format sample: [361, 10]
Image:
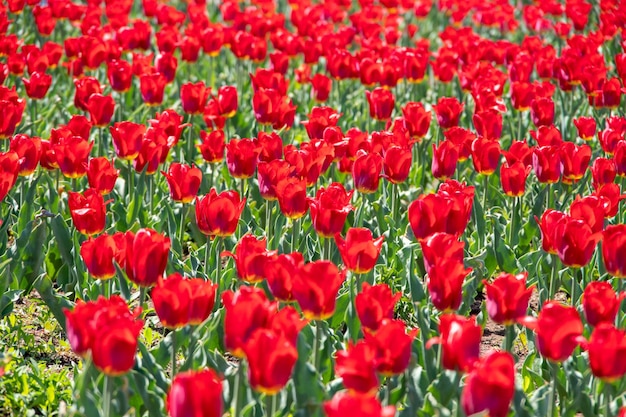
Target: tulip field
[294, 208]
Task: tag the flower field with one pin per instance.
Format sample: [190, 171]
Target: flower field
[312, 208]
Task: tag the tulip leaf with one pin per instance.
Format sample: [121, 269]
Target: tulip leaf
[33, 255]
[63, 238]
[308, 389]
[26, 210]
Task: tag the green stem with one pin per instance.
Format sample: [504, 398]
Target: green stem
[142, 296]
[270, 405]
[236, 391]
[190, 144]
[394, 201]
[174, 349]
[353, 330]
[268, 223]
[33, 117]
[608, 392]
[552, 398]
[485, 192]
[295, 234]
[181, 230]
[207, 250]
[579, 275]
[554, 278]
[317, 346]
[129, 184]
[106, 401]
[509, 338]
[514, 220]
[101, 150]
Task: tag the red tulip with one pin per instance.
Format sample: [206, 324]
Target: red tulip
[550, 219]
[381, 102]
[393, 346]
[485, 155]
[586, 127]
[330, 209]
[603, 171]
[227, 100]
[397, 164]
[320, 118]
[85, 88]
[271, 359]
[490, 386]
[448, 111]
[146, 257]
[321, 87]
[349, 403]
[212, 146]
[100, 109]
[547, 164]
[98, 254]
[38, 85]
[356, 367]
[218, 214]
[559, 330]
[428, 215]
[607, 349]
[88, 211]
[366, 172]
[270, 174]
[120, 75]
[9, 168]
[359, 251]
[251, 256]
[461, 198]
[315, 288]
[460, 340]
[179, 301]
[241, 157]
[374, 304]
[292, 199]
[101, 174]
[195, 393]
[72, 155]
[601, 303]
[184, 182]
[445, 158]
[513, 178]
[247, 310]
[508, 297]
[488, 124]
[542, 111]
[152, 87]
[416, 119]
[279, 274]
[614, 250]
[445, 284]
[127, 139]
[575, 161]
[575, 242]
[28, 151]
[193, 97]
[441, 247]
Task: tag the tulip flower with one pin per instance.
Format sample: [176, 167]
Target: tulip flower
[88, 211]
[445, 158]
[519, 151]
[218, 214]
[349, 403]
[374, 304]
[251, 256]
[315, 288]
[448, 111]
[146, 257]
[490, 386]
[98, 255]
[488, 124]
[575, 161]
[356, 366]
[513, 178]
[445, 284]
[101, 174]
[366, 172]
[547, 164]
[9, 169]
[575, 242]
[29, 152]
[152, 87]
[270, 174]
[461, 200]
[393, 346]
[590, 209]
[441, 247]
[85, 88]
[586, 127]
[614, 250]
[603, 171]
[227, 100]
[127, 139]
[416, 119]
[292, 199]
[508, 297]
[485, 155]
[460, 340]
[38, 85]
[607, 350]
[193, 97]
[601, 303]
[247, 310]
[100, 109]
[195, 393]
[397, 164]
[330, 209]
[212, 146]
[321, 86]
[320, 117]
[550, 219]
[72, 155]
[120, 75]
[359, 251]
[183, 181]
[241, 157]
[559, 330]
[179, 301]
[381, 102]
[271, 358]
[279, 273]
[428, 215]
